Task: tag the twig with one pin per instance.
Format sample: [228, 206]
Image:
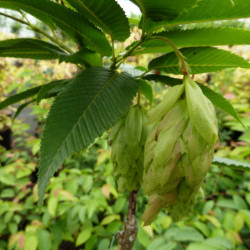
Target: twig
[119, 61]
[143, 74]
[14, 18]
[184, 68]
[128, 236]
[113, 50]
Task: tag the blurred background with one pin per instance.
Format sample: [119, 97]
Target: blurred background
[82, 208]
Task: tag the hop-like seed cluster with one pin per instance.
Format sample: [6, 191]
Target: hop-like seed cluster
[178, 150]
[127, 139]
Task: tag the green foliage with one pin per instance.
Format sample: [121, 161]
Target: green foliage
[51, 89]
[108, 15]
[196, 38]
[73, 205]
[170, 81]
[146, 90]
[19, 97]
[30, 48]
[158, 10]
[206, 10]
[84, 57]
[77, 128]
[40, 91]
[21, 108]
[217, 99]
[224, 162]
[77, 27]
[200, 60]
[83, 198]
[82, 206]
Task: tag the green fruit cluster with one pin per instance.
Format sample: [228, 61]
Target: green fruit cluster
[178, 150]
[128, 138]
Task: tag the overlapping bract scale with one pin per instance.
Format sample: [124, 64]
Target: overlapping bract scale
[127, 138]
[178, 150]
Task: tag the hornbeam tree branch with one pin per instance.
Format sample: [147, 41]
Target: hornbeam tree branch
[128, 236]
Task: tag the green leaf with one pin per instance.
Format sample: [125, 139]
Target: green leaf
[212, 10]
[213, 220]
[19, 97]
[134, 21]
[207, 207]
[217, 99]
[8, 193]
[31, 242]
[76, 26]
[200, 60]
[108, 15]
[226, 203]
[143, 237]
[225, 162]
[83, 110]
[51, 89]
[83, 236]
[20, 109]
[228, 220]
[8, 216]
[103, 244]
[207, 11]
[184, 234]
[52, 205]
[248, 198]
[7, 179]
[169, 245]
[13, 227]
[246, 215]
[146, 90]
[245, 136]
[215, 243]
[44, 240]
[90, 244]
[156, 243]
[219, 242]
[239, 221]
[202, 227]
[114, 226]
[203, 246]
[196, 38]
[41, 90]
[119, 205]
[163, 79]
[240, 202]
[30, 48]
[163, 10]
[85, 57]
[108, 219]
